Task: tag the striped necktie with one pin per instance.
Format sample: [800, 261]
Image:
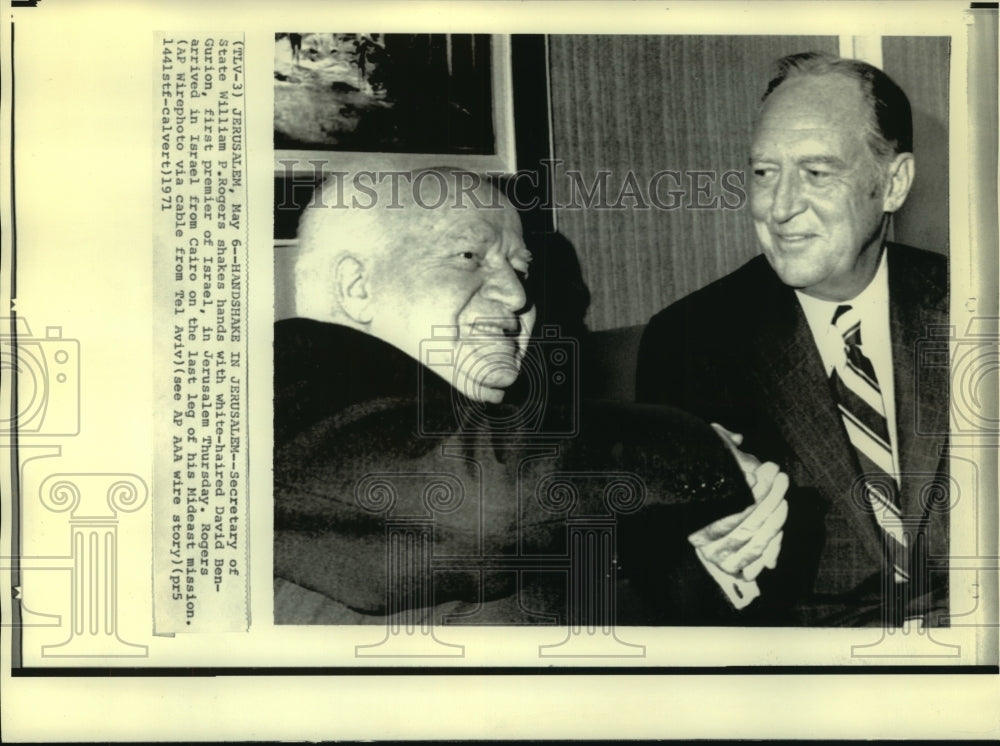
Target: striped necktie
[859, 399]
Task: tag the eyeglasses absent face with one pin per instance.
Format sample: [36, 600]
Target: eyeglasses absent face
[818, 195]
[455, 283]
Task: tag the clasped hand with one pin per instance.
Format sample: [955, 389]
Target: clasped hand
[743, 544]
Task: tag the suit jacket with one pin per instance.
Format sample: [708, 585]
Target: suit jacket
[367, 448]
[740, 352]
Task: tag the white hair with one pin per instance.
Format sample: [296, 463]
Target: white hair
[330, 230]
[363, 219]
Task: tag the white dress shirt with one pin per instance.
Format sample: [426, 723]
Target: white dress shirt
[872, 307]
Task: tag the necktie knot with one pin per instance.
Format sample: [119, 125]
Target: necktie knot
[848, 324]
[841, 310]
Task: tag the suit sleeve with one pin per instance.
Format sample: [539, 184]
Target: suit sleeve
[689, 479]
[686, 365]
[658, 376]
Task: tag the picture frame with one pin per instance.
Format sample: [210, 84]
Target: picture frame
[519, 110]
[399, 150]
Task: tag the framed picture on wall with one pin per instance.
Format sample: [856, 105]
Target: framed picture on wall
[351, 103]
[347, 101]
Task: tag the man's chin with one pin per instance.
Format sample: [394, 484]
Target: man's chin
[486, 394]
[488, 371]
[490, 389]
[794, 274]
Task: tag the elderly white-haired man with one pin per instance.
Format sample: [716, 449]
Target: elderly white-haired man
[394, 427]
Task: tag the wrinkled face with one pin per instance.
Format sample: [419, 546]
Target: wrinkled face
[816, 195]
[451, 295]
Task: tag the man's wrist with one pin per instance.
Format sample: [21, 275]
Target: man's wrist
[739, 591]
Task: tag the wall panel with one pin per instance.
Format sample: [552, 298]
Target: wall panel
[643, 104]
[920, 66]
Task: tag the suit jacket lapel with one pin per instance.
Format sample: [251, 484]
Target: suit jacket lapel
[915, 313]
[790, 374]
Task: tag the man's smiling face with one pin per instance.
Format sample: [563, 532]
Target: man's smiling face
[457, 276]
[817, 193]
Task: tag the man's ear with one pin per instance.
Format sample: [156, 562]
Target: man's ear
[901, 172]
[352, 289]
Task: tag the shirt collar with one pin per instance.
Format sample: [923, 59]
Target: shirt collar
[871, 304]
[874, 297]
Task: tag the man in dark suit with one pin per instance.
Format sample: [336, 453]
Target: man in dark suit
[412, 478]
[809, 352]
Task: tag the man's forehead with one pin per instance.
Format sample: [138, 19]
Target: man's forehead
[793, 136]
[485, 223]
[817, 113]
[825, 102]
[486, 219]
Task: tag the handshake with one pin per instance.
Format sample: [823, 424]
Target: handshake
[735, 549]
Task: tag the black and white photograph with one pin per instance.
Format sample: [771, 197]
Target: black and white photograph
[748, 457]
[477, 370]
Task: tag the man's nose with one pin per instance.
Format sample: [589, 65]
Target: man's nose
[505, 286]
[787, 198]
